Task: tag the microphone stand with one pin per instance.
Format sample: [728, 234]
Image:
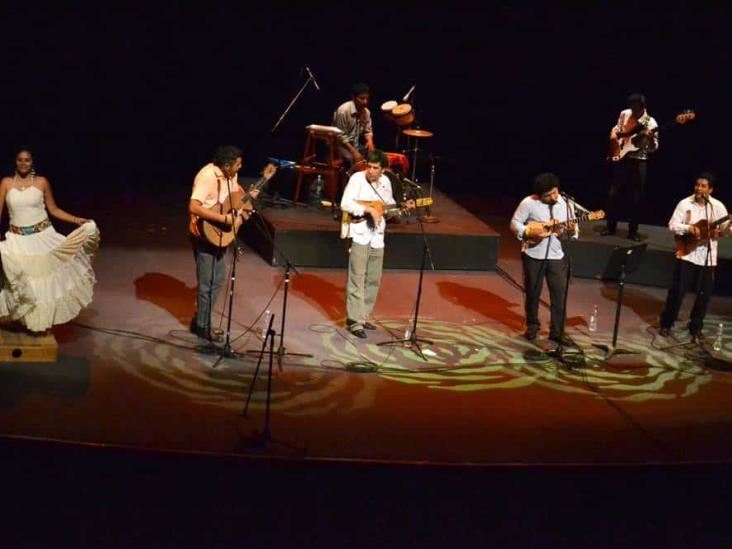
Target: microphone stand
[280, 352]
[294, 99]
[707, 260]
[559, 352]
[412, 340]
[226, 351]
[260, 440]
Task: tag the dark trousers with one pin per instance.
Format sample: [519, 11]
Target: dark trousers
[627, 188]
[211, 268]
[555, 272]
[688, 277]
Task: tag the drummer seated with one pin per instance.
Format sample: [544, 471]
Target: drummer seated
[354, 119]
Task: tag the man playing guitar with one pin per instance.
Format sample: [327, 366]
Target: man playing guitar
[365, 224]
[212, 186]
[697, 223]
[629, 172]
[543, 256]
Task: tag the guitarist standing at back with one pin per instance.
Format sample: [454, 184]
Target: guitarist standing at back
[695, 258]
[211, 187]
[542, 253]
[629, 173]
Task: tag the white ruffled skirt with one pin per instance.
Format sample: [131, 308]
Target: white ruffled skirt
[48, 276]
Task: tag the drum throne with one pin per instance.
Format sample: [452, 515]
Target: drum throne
[328, 165]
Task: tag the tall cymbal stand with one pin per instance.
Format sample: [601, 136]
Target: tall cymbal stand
[428, 217]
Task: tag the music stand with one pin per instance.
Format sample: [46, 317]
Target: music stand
[623, 260]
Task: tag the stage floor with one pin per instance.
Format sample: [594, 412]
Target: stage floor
[130, 374]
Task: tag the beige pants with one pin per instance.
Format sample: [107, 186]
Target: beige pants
[364, 278]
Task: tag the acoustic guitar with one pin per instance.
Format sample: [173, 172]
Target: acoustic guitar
[222, 234]
[555, 227]
[687, 243]
[630, 140]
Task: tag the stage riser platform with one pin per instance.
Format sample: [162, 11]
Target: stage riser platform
[309, 237]
[590, 255]
[403, 251]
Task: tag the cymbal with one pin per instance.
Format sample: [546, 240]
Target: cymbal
[418, 133]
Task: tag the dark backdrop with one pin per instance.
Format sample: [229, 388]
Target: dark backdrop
[135, 99]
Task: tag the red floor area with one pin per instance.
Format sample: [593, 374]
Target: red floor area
[130, 374]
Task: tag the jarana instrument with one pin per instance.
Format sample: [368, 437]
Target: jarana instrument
[555, 227]
[687, 243]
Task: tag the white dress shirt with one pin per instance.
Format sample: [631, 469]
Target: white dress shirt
[532, 208]
[687, 213]
[359, 188]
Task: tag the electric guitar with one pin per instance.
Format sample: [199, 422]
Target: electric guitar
[687, 243]
[629, 140]
[240, 204]
[539, 230]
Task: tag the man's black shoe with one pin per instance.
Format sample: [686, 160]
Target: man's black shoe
[664, 332]
[698, 337]
[530, 335]
[559, 340]
[359, 333]
[350, 322]
[635, 237]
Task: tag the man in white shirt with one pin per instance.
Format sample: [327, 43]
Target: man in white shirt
[354, 118]
[212, 185]
[365, 224]
[694, 269]
[542, 253]
[628, 179]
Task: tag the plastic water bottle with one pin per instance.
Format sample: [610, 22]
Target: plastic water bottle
[593, 319]
[265, 324]
[316, 191]
[718, 340]
[407, 333]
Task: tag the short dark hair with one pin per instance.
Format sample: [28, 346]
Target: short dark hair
[709, 177]
[360, 89]
[377, 156]
[545, 182]
[226, 154]
[637, 99]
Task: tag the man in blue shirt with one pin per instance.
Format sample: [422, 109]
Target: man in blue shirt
[542, 253]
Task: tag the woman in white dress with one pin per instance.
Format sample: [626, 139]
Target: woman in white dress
[48, 276]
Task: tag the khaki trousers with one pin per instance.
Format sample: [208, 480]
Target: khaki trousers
[364, 278]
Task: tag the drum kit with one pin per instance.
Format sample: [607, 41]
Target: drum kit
[402, 115]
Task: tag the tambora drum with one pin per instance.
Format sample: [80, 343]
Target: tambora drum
[403, 114]
[386, 109]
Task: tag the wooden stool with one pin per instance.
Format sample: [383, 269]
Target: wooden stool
[309, 166]
[21, 346]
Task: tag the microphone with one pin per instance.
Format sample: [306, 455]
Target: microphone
[313, 78]
[410, 182]
[576, 204]
[282, 164]
[408, 94]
